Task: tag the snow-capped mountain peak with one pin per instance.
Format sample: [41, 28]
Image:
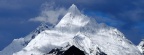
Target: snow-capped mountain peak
[43, 26]
[76, 29]
[73, 18]
[18, 44]
[74, 10]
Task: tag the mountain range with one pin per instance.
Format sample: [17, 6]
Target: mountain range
[75, 34]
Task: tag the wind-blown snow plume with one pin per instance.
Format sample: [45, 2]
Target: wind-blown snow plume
[50, 14]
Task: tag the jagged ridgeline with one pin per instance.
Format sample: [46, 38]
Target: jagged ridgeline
[75, 34]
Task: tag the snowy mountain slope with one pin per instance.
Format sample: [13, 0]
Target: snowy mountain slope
[76, 29]
[79, 30]
[141, 46]
[18, 44]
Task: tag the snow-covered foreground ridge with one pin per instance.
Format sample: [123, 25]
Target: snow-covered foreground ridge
[74, 29]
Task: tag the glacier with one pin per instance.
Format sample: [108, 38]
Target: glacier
[74, 29]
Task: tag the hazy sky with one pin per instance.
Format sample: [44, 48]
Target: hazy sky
[19, 17]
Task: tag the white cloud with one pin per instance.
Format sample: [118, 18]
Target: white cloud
[49, 14]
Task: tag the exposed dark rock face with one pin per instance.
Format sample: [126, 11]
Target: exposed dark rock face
[72, 51]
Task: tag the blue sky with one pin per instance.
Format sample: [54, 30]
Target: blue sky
[16, 16]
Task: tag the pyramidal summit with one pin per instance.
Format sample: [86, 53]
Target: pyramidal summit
[75, 34]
